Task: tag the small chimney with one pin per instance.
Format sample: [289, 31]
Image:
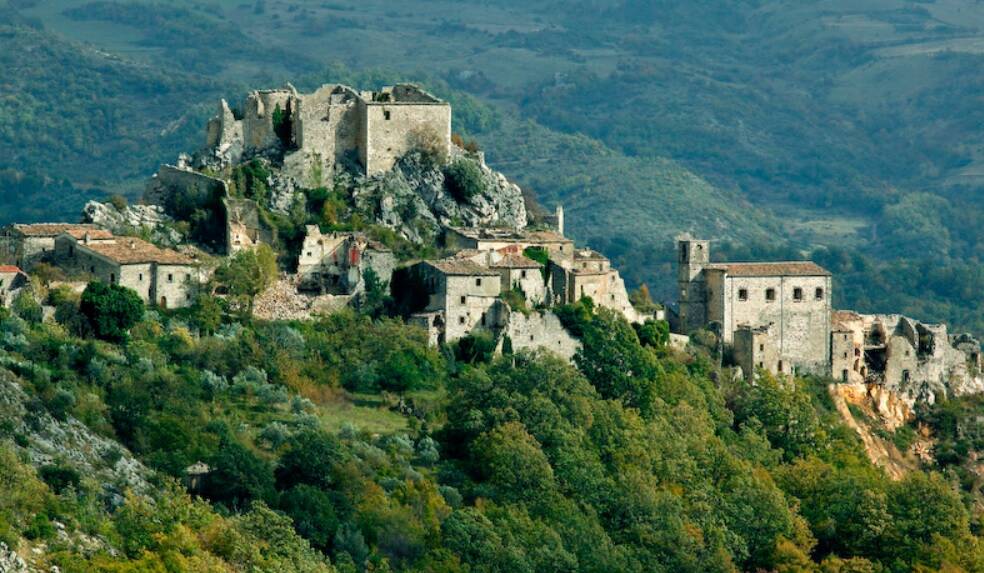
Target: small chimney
[86, 238]
[560, 219]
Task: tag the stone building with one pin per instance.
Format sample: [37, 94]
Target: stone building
[557, 246]
[461, 295]
[333, 125]
[916, 359]
[516, 271]
[335, 263]
[163, 277]
[792, 298]
[590, 274]
[12, 280]
[25, 245]
[755, 349]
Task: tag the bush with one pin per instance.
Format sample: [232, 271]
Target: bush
[60, 404]
[464, 180]
[26, 307]
[60, 477]
[112, 310]
[476, 348]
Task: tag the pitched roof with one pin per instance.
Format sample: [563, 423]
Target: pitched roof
[130, 250]
[10, 269]
[513, 261]
[93, 233]
[777, 269]
[52, 229]
[461, 267]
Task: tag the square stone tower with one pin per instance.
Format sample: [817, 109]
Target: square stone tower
[692, 256]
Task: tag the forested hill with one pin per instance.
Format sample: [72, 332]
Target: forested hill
[846, 131]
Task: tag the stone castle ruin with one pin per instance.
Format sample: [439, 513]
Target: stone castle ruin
[334, 125]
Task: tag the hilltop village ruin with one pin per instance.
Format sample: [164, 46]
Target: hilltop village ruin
[500, 269]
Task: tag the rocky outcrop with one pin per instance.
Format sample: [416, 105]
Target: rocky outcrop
[413, 199]
[10, 562]
[133, 219]
[50, 440]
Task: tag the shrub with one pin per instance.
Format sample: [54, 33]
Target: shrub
[118, 201]
[60, 477]
[477, 347]
[60, 404]
[27, 307]
[464, 180]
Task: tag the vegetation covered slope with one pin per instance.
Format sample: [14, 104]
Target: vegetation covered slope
[636, 458]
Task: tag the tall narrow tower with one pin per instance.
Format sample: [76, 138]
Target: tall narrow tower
[692, 256]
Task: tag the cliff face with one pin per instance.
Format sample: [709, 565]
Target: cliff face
[876, 413]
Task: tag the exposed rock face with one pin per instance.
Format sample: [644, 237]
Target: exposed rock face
[10, 562]
[413, 200]
[133, 218]
[69, 441]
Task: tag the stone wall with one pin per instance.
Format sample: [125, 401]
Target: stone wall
[539, 330]
[174, 285]
[754, 348]
[530, 281]
[171, 181]
[259, 135]
[390, 129]
[692, 255]
[801, 325]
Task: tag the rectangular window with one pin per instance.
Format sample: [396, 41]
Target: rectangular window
[461, 320]
[797, 293]
[170, 278]
[843, 375]
[463, 299]
[818, 294]
[478, 282]
[386, 114]
[780, 366]
[522, 274]
[770, 294]
[761, 348]
[743, 294]
[140, 277]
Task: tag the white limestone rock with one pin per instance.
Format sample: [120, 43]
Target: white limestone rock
[133, 218]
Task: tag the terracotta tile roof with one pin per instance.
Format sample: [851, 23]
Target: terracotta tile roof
[9, 269]
[778, 269]
[512, 261]
[461, 267]
[99, 234]
[52, 229]
[130, 250]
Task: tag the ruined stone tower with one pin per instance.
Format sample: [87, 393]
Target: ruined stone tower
[692, 256]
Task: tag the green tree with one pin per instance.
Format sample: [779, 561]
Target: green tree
[248, 273]
[111, 310]
[376, 299]
[464, 179]
[313, 513]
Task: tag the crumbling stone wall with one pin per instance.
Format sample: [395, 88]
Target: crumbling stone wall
[539, 330]
[754, 348]
[391, 128]
[172, 183]
[259, 133]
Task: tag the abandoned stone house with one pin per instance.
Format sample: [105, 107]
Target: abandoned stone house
[163, 277]
[791, 298]
[333, 125]
[464, 297]
[460, 294]
[755, 349]
[243, 227]
[25, 245]
[12, 281]
[590, 274]
[916, 359]
[335, 263]
[557, 246]
[516, 272]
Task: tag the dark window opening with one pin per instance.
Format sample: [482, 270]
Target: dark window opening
[780, 366]
[170, 278]
[743, 294]
[461, 320]
[386, 114]
[463, 299]
[770, 294]
[818, 294]
[843, 375]
[797, 293]
[905, 376]
[478, 282]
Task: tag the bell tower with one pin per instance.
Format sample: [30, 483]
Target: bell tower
[692, 256]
